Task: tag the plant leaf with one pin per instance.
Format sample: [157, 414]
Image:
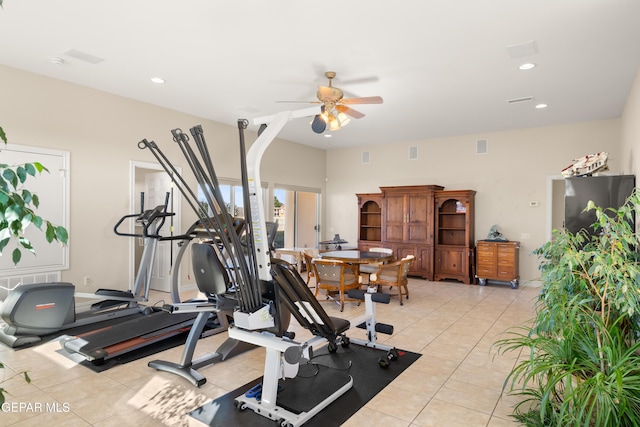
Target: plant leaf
[62, 235]
[39, 167]
[16, 256]
[3, 244]
[50, 233]
[11, 177]
[21, 173]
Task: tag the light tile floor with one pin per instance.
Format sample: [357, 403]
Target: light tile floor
[457, 381]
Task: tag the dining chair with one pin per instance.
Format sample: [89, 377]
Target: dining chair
[372, 267]
[308, 255]
[394, 274]
[335, 277]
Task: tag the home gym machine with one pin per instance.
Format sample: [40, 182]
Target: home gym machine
[221, 260]
[267, 291]
[34, 310]
[162, 323]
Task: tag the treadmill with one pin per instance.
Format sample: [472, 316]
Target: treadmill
[158, 323]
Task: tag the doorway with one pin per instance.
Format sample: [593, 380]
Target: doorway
[555, 203]
[297, 214]
[152, 180]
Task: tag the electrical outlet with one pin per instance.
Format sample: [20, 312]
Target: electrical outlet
[87, 280]
[525, 236]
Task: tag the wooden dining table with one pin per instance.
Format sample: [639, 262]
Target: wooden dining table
[356, 258]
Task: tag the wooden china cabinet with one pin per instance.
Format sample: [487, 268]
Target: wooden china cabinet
[407, 224]
[434, 225]
[454, 230]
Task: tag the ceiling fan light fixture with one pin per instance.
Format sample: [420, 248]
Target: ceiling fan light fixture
[343, 119]
[318, 125]
[334, 124]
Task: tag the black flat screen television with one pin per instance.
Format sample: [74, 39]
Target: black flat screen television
[605, 191]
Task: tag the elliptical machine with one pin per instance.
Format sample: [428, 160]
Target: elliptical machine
[34, 310]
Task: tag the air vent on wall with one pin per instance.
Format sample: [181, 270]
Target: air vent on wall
[482, 146]
[413, 153]
[365, 157]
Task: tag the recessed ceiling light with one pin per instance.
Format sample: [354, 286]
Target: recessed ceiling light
[541, 106]
[527, 66]
[157, 80]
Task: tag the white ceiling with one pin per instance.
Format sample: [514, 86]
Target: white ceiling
[442, 66]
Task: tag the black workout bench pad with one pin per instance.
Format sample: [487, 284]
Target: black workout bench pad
[306, 389]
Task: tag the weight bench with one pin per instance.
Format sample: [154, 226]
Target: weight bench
[283, 354]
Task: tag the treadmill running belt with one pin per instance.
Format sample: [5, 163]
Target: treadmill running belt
[114, 340]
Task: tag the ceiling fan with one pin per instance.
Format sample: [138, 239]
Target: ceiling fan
[336, 112]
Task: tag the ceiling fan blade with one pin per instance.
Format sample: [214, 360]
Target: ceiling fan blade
[349, 111]
[299, 102]
[365, 100]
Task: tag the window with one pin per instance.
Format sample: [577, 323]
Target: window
[231, 192]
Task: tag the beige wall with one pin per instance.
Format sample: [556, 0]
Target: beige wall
[514, 172]
[631, 130]
[101, 131]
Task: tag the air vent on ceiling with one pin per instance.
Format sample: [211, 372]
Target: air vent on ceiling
[365, 157]
[82, 56]
[482, 146]
[519, 100]
[522, 49]
[413, 153]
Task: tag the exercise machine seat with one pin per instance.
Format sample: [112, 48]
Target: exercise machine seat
[300, 301]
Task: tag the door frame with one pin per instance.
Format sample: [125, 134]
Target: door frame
[136, 168]
[552, 197]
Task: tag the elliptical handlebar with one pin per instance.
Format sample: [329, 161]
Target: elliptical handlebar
[147, 218]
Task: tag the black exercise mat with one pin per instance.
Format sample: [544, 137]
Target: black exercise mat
[302, 392]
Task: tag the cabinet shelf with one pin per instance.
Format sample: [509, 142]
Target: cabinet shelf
[370, 220]
[454, 235]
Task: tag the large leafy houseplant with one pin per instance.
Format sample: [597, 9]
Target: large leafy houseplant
[17, 208]
[17, 213]
[580, 361]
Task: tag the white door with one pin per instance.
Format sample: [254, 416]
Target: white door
[157, 185]
[307, 232]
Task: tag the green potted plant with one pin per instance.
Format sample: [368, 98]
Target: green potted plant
[580, 356]
[17, 213]
[18, 205]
